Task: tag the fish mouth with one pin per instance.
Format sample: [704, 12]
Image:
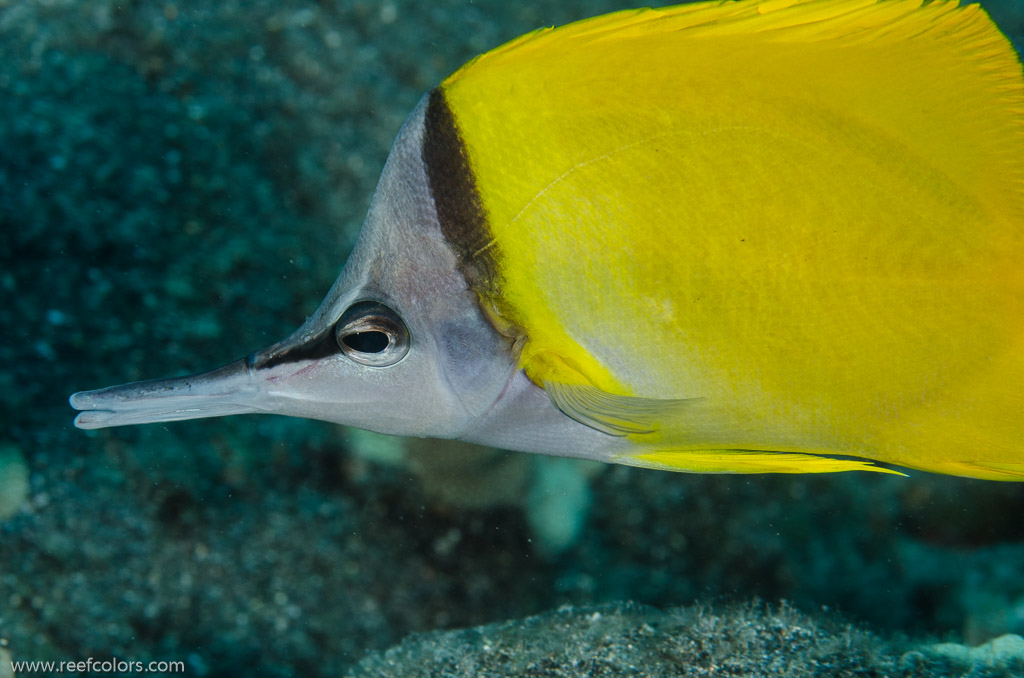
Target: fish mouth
[231, 389]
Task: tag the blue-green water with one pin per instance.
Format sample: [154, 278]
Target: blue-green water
[179, 185]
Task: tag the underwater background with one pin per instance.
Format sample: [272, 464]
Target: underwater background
[180, 183]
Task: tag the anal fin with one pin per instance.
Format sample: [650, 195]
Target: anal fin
[746, 461]
[984, 470]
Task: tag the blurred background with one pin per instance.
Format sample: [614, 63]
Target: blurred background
[180, 182]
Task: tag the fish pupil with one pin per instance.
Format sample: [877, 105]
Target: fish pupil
[366, 342]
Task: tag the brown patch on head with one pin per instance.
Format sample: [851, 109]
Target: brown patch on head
[456, 197]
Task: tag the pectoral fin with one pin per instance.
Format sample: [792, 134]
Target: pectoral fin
[619, 415]
[616, 415]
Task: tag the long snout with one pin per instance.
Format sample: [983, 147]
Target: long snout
[232, 389]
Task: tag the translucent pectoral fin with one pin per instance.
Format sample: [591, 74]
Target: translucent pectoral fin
[615, 415]
[745, 461]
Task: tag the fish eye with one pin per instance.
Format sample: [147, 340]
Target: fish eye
[372, 334]
[367, 342]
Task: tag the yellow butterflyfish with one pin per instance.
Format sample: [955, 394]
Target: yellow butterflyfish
[739, 236]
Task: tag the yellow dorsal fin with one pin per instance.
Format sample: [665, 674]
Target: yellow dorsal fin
[886, 21]
[900, 42]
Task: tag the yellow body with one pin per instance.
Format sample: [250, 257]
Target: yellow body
[806, 216]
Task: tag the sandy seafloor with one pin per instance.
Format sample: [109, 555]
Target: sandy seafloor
[180, 183]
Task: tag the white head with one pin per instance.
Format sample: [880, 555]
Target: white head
[398, 346]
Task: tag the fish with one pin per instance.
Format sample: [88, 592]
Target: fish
[741, 236]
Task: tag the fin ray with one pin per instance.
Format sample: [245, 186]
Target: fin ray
[615, 415]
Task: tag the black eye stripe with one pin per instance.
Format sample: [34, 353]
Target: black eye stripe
[371, 334]
[320, 346]
[328, 341]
